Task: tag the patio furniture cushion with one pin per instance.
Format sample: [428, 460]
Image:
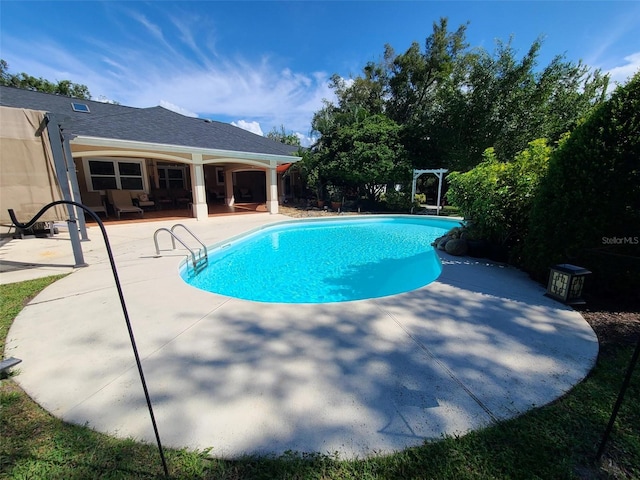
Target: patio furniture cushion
[142, 200]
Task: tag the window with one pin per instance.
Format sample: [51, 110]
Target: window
[130, 175]
[123, 174]
[171, 177]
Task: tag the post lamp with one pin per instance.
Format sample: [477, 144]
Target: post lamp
[566, 282]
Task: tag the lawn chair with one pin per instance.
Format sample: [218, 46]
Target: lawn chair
[94, 201]
[122, 202]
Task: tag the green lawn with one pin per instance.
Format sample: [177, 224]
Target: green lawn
[557, 441]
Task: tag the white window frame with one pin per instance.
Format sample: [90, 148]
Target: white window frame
[167, 179]
[115, 161]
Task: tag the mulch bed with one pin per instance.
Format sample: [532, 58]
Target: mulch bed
[615, 321]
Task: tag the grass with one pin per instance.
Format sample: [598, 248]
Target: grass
[557, 441]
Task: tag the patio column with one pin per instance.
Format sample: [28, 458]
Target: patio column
[228, 188]
[199, 207]
[272, 188]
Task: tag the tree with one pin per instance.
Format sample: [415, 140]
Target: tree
[283, 137]
[414, 76]
[446, 104]
[496, 100]
[359, 148]
[28, 82]
[453, 102]
[365, 156]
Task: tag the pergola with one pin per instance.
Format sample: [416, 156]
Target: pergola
[438, 172]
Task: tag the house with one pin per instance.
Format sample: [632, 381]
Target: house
[190, 162]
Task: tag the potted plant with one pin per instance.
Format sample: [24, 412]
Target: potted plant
[315, 182]
[336, 196]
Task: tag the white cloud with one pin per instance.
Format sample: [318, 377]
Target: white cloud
[622, 73]
[305, 140]
[301, 137]
[228, 88]
[253, 127]
[103, 99]
[177, 109]
[197, 82]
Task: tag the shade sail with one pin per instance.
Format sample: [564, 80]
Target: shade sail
[27, 175]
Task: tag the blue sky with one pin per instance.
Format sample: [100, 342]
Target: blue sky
[264, 64]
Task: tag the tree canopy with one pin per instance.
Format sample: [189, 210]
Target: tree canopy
[449, 102]
[363, 155]
[282, 136]
[29, 82]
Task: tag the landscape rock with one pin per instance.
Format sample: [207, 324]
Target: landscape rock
[442, 243]
[457, 247]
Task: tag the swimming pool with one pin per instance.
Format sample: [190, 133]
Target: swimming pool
[325, 260]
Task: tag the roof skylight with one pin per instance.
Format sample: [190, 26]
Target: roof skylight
[80, 107]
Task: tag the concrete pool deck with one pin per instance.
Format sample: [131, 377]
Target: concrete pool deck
[479, 345]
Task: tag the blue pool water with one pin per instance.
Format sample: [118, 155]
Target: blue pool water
[322, 261]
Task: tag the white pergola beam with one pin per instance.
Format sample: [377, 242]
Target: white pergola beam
[438, 172]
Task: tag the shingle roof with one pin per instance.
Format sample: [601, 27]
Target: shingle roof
[151, 125]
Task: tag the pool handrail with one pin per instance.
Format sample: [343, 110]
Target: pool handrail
[195, 260]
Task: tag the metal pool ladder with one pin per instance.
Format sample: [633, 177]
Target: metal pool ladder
[199, 257]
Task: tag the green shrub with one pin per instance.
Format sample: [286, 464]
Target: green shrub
[420, 198]
[496, 197]
[588, 208]
[397, 201]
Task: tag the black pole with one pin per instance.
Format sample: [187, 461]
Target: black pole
[616, 407]
[122, 302]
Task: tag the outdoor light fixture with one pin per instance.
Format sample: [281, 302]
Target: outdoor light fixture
[566, 282]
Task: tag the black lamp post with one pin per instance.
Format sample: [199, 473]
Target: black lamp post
[566, 282]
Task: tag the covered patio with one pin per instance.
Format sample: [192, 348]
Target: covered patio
[178, 214]
[209, 178]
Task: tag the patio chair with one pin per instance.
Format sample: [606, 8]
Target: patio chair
[94, 201]
[122, 202]
[182, 197]
[142, 200]
[245, 195]
[163, 198]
